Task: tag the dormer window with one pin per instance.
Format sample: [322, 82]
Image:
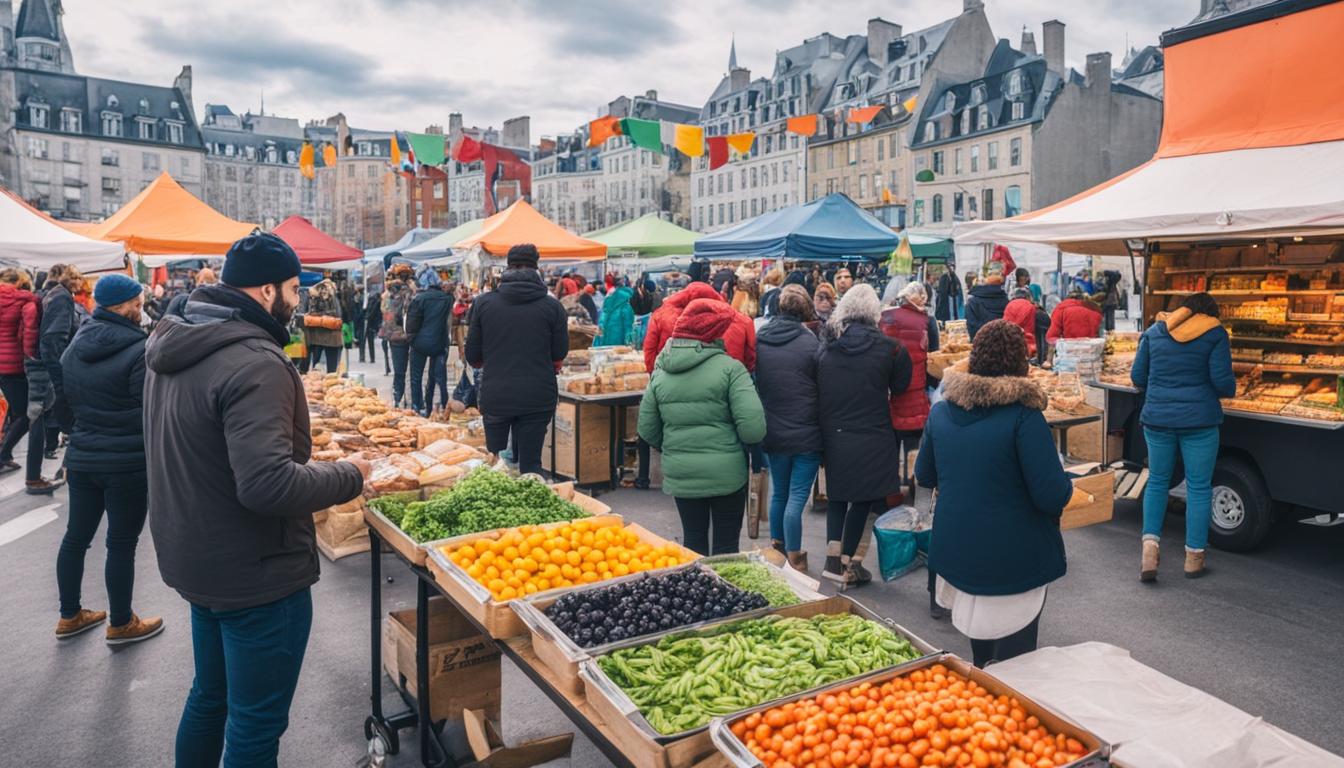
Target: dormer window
[982, 119]
[950, 102]
[71, 120]
[1014, 86]
[174, 132]
[144, 106]
[272, 154]
[978, 94]
[229, 150]
[112, 101]
[144, 128]
[930, 131]
[966, 120]
[1019, 110]
[39, 115]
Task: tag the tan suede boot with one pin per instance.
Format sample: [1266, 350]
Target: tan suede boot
[1151, 552]
[1194, 563]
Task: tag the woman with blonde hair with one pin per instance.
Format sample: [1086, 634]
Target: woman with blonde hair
[824, 300]
[858, 370]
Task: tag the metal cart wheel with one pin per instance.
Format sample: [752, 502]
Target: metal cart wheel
[375, 728]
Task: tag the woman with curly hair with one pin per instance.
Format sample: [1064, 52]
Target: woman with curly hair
[858, 370]
[1001, 490]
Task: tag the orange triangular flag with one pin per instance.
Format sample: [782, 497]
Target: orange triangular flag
[804, 126]
[742, 141]
[306, 160]
[329, 155]
[396, 152]
[601, 129]
[863, 115]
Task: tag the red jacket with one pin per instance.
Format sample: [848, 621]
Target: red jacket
[18, 328]
[1074, 319]
[1001, 254]
[739, 342]
[909, 326]
[1022, 313]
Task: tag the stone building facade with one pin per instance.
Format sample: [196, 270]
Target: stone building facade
[362, 201]
[252, 166]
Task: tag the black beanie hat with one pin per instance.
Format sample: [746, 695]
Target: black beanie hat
[523, 255]
[259, 259]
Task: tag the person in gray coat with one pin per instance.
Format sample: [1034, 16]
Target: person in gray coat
[232, 496]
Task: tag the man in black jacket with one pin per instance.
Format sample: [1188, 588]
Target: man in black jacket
[427, 324]
[232, 496]
[987, 300]
[373, 321]
[519, 334]
[104, 375]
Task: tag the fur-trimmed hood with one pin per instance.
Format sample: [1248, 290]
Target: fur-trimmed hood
[969, 391]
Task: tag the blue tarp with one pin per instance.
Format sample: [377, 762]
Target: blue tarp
[832, 228]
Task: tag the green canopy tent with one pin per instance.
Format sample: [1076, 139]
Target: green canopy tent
[648, 243]
[931, 248]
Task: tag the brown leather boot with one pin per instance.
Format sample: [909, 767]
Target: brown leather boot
[80, 622]
[798, 561]
[134, 631]
[1151, 553]
[777, 545]
[1194, 564]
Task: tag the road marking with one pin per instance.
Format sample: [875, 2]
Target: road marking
[12, 484]
[27, 523]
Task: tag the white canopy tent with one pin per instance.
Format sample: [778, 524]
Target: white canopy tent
[1263, 191]
[33, 240]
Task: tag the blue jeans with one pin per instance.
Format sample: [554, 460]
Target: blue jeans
[247, 667]
[400, 355]
[423, 401]
[1199, 451]
[791, 478]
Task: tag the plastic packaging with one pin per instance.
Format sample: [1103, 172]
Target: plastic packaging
[902, 535]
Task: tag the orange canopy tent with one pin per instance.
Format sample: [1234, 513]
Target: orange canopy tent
[314, 247]
[520, 223]
[166, 219]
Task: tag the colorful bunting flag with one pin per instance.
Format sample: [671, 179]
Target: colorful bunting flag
[306, 161]
[690, 139]
[601, 129]
[645, 134]
[667, 132]
[468, 150]
[803, 126]
[396, 153]
[909, 104]
[410, 164]
[718, 151]
[427, 147]
[329, 155]
[501, 164]
[863, 115]
[742, 141]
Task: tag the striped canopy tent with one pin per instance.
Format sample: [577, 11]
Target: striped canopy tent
[1252, 143]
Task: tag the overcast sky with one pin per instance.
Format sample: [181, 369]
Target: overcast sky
[404, 64]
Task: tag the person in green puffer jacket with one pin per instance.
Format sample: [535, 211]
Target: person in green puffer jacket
[699, 410]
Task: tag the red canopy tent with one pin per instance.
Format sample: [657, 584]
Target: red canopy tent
[314, 247]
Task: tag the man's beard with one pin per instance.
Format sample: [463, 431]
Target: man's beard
[281, 311]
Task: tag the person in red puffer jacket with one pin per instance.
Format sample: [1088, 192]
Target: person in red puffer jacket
[739, 341]
[1074, 318]
[19, 314]
[1021, 311]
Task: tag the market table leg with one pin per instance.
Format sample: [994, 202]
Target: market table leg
[432, 753]
[613, 448]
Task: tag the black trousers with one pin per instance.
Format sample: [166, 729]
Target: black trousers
[15, 389]
[422, 400]
[368, 340]
[846, 521]
[124, 496]
[400, 356]
[1022, 641]
[719, 515]
[387, 357]
[529, 433]
[643, 448]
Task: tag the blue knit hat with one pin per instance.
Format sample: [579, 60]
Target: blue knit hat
[259, 259]
[114, 289]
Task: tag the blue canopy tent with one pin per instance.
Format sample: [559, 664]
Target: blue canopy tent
[832, 228]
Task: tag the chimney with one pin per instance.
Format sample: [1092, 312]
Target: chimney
[1099, 70]
[739, 78]
[1028, 42]
[651, 95]
[183, 84]
[881, 33]
[1052, 39]
[971, 5]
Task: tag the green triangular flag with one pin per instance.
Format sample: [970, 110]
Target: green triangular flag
[643, 133]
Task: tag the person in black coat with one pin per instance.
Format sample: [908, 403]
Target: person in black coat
[427, 322]
[519, 336]
[949, 302]
[104, 374]
[1001, 490]
[986, 302]
[786, 378]
[858, 370]
[373, 321]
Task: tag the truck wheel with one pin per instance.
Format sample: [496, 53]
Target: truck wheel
[1242, 510]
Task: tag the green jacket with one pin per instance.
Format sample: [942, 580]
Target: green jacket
[699, 410]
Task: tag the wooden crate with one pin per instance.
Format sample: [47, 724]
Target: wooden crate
[1102, 488]
[591, 442]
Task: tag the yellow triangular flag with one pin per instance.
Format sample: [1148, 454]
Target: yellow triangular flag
[742, 141]
[396, 152]
[909, 104]
[690, 139]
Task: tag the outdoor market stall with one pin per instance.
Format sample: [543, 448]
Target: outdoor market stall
[831, 228]
[32, 239]
[649, 243]
[439, 251]
[315, 247]
[1243, 199]
[167, 223]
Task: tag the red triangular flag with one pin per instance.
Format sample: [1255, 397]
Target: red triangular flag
[468, 150]
[718, 151]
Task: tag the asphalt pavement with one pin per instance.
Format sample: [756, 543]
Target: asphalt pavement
[1261, 631]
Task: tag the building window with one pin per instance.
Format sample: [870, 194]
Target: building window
[111, 185]
[700, 186]
[919, 212]
[966, 121]
[992, 158]
[815, 190]
[111, 124]
[853, 151]
[950, 102]
[184, 167]
[711, 215]
[970, 207]
[38, 115]
[1015, 152]
[975, 158]
[982, 121]
[1019, 110]
[784, 171]
[956, 161]
[175, 135]
[149, 161]
[1012, 201]
[863, 186]
[937, 208]
[830, 157]
[37, 147]
[720, 185]
[753, 206]
[881, 145]
[145, 129]
[830, 186]
[70, 121]
[730, 181]
[753, 178]
[721, 218]
[958, 206]
[938, 161]
[111, 157]
[988, 204]
[744, 209]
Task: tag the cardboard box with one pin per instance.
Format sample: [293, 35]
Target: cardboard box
[1102, 488]
[487, 746]
[591, 443]
[463, 664]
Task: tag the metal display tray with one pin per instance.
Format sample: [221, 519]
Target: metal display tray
[720, 728]
[611, 701]
[563, 656]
